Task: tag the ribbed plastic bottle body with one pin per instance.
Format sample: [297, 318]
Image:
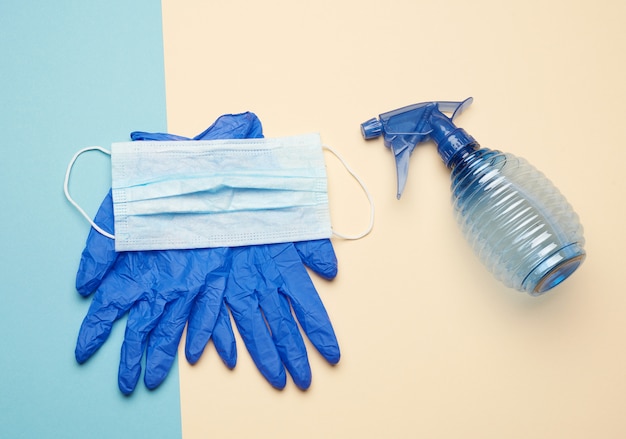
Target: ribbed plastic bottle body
[518, 223]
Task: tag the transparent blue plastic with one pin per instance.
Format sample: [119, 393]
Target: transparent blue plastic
[518, 223]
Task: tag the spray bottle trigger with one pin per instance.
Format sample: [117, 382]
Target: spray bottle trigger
[405, 128]
[456, 108]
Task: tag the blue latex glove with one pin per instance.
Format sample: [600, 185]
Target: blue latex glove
[272, 278]
[264, 281]
[163, 289]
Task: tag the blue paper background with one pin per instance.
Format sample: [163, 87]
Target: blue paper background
[72, 74]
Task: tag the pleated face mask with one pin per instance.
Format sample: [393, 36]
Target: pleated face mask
[218, 193]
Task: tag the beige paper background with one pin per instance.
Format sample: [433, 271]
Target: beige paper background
[432, 346]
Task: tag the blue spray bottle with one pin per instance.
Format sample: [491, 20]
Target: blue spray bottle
[516, 220]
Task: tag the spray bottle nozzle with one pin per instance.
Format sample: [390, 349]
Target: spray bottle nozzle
[371, 129]
[403, 129]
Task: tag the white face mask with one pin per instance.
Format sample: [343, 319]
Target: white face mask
[218, 193]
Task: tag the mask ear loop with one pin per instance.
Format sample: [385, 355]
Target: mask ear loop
[367, 194]
[67, 190]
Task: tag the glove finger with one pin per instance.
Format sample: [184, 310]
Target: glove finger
[180, 278]
[229, 126]
[204, 315]
[143, 317]
[286, 336]
[99, 254]
[319, 256]
[224, 338]
[164, 340]
[233, 126]
[244, 307]
[113, 299]
[142, 135]
[253, 330]
[306, 302]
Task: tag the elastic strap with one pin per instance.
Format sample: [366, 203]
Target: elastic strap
[109, 235]
[67, 190]
[367, 194]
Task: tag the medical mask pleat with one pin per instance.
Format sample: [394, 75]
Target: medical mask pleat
[219, 193]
